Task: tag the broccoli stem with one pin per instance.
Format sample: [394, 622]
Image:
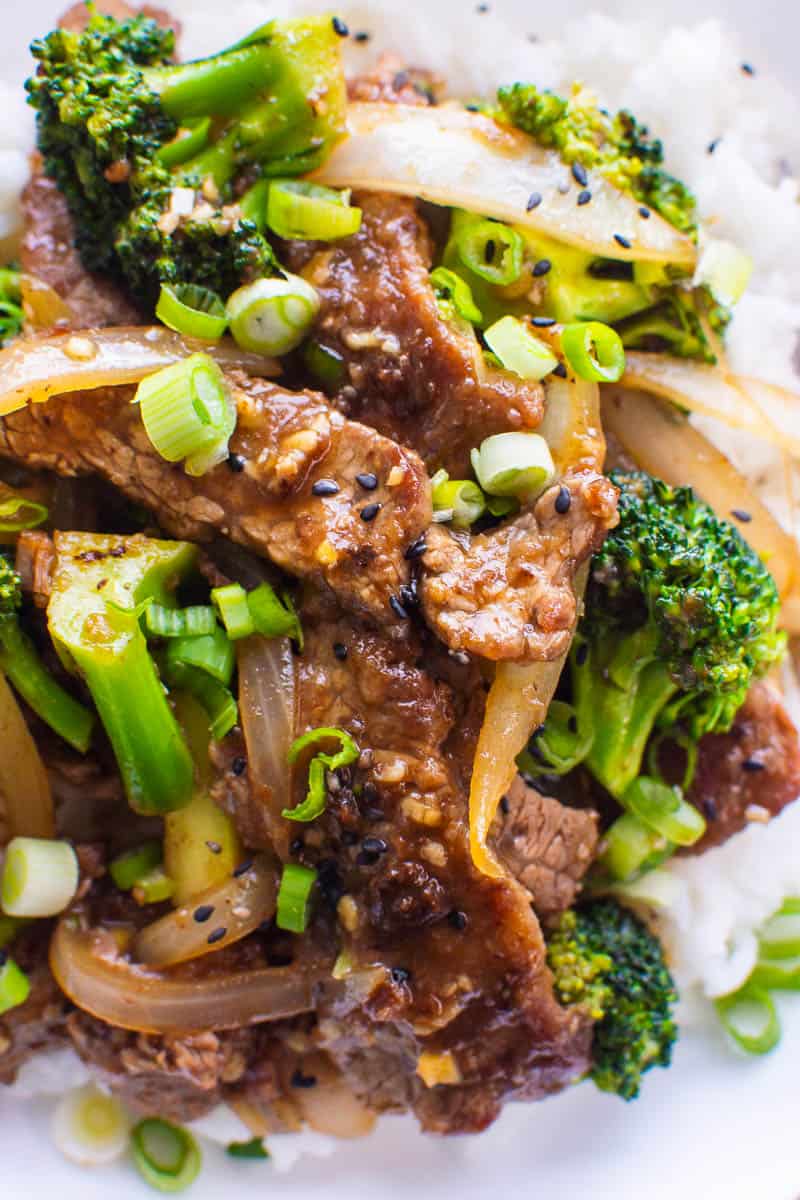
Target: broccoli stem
[94, 620]
[21, 663]
[222, 84]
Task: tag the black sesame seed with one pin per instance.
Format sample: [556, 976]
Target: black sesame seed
[374, 845]
[367, 481]
[400, 975]
[339, 27]
[482, 8]
[563, 500]
[644, 212]
[370, 511]
[408, 594]
[542, 322]
[622, 241]
[370, 793]
[239, 765]
[243, 868]
[397, 608]
[330, 881]
[505, 805]
[365, 859]
[582, 653]
[472, 107]
[325, 487]
[416, 549]
[236, 462]
[457, 919]
[489, 251]
[299, 1080]
[340, 651]
[361, 37]
[534, 200]
[296, 846]
[742, 515]
[214, 847]
[748, 68]
[584, 197]
[579, 174]
[713, 145]
[752, 764]
[560, 371]
[216, 935]
[203, 913]
[541, 267]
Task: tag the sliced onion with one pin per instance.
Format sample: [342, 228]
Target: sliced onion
[91, 1128]
[238, 906]
[571, 426]
[330, 1106]
[149, 1001]
[267, 713]
[768, 412]
[663, 443]
[25, 798]
[42, 304]
[34, 369]
[450, 156]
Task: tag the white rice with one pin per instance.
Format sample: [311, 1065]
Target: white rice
[687, 83]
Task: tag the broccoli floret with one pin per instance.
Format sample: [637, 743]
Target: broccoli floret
[619, 147]
[680, 618]
[152, 156]
[673, 325]
[606, 962]
[12, 318]
[20, 661]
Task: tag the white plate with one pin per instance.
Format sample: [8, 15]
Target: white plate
[715, 1127]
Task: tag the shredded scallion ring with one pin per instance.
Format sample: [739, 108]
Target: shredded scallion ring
[297, 209]
[18, 513]
[665, 810]
[272, 316]
[492, 250]
[514, 464]
[749, 1016]
[594, 351]
[519, 350]
[166, 1156]
[40, 877]
[192, 310]
[188, 412]
[293, 897]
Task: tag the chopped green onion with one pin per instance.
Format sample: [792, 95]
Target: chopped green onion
[314, 803]
[20, 661]
[631, 847]
[272, 316]
[780, 974]
[15, 987]
[195, 621]
[325, 364]
[188, 412]
[519, 350]
[40, 877]
[153, 887]
[293, 898]
[780, 937]
[211, 652]
[128, 868]
[18, 512]
[234, 611]
[664, 809]
[217, 700]
[296, 209]
[459, 501]
[192, 310]
[749, 1016]
[452, 290]
[502, 506]
[190, 139]
[493, 251]
[560, 746]
[255, 1148]
[594, 351]
[166, 1156]
[273, 617]
[90, 1127]
[514, 464]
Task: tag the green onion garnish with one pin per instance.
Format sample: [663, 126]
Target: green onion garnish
[234, 611]
[18, 513]
[518, 350]
[166, 1156]
[255, 1148]
[459, 501]
[451, 290]
[514, 464]
[778, 974]
[325, 364]
[15, 987]
[128, 868]
[272, 316]
[296, 209]
[664, 809]
[293, 897]
[493, 251]
[20, 661]
[630, 847]
[188, 413]
[40, 877]
[195, 621]
[560, 745]
[192, 310]
[314, 803]
[780, 937]
[153, 887]
[217, 700]
[259, 611]
[749, 1016]
[211, 652]
[594, 351]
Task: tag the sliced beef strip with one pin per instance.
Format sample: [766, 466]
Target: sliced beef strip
[546, 845]
[77, 16]
[459, 957]
[409, 373]
[284, 444]
[40, 1024]
[392, 82]
[750, 773]
[508, 593]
